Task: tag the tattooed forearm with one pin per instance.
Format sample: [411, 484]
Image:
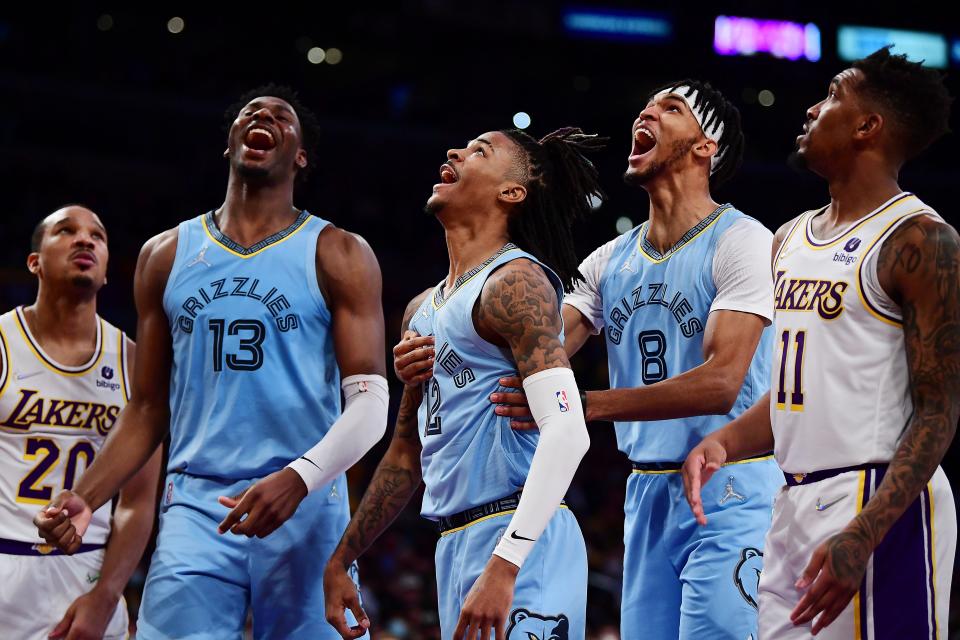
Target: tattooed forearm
[519, 304]
[920, 267]
[394, 482]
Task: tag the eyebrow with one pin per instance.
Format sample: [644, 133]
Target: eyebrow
[258, 104]
[488, 143]
[66, 220]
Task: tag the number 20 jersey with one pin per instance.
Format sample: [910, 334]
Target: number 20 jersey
[840, 385]
[254, 382]
[53, 421]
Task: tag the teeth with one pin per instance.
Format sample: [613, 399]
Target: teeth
[270, 135]
[645, 132]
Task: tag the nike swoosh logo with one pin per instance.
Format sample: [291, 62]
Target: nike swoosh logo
[513, 534]
[824, 507]
[24, 376]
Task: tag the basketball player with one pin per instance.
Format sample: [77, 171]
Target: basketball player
[506, 561]
[683, 300]
[866, 384]
[248, 316]
[63, 380]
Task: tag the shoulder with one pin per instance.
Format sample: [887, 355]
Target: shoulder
[339, 249]
[517, 284]
[413, 305]
[784, 230]
[157, 256]
[920, 245]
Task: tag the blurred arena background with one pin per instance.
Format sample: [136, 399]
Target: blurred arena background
[124, 111]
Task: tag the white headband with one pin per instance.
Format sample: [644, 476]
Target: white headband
[701, 114]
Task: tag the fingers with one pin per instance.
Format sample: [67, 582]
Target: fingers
[813, 602]
[462, 627]
[363, 622]
[693, 482]
[239, 506]
[485, 632]
[523, 425]
[408, 345]
[813, 568]
[514, 382]
[498, 628]
[64, 625]
[836, 603]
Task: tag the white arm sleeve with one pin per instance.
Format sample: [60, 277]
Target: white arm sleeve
[585, 296]
[362, 423]
[555, 404]
[741, 270]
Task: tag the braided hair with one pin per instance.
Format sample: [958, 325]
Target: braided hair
[716, 108]
[562, 187]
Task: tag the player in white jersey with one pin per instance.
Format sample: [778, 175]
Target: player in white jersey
[865, 388]
[63, 380]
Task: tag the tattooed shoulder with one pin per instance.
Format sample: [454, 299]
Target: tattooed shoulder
[922, 249]
[519, 305]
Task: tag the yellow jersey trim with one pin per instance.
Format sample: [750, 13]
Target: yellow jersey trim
[814, 244]
[294, 232]
[674, 251]
[725, 464]
[51, 364]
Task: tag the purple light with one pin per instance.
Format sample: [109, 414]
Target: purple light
[781, 39]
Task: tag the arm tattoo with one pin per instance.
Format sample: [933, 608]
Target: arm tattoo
[394, 482]
[519, 304]
[920, 266]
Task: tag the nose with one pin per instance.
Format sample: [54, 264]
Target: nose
[264, 113]
[814, 112]
[84, 239]
[454, 155]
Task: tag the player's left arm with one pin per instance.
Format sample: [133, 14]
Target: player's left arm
[518, 308]
[919, 268]
[349, 277]
[89, 615]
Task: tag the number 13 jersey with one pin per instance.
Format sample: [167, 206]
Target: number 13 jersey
[654, 310]
[254, 381]
[840, 385]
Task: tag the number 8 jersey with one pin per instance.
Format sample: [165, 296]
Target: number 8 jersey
[840, 392]
[654, 309]
[254, 381]
[53, 422]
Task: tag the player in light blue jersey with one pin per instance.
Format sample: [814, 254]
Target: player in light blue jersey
[683, 300]
[511, 557]
[248, 317]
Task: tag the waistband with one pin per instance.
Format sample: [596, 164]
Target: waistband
[457, 521]
[18, 548]
[797, 479]
[674, 467]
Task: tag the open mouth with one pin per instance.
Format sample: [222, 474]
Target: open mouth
[259, 139]
[448, 175]
[643, 141]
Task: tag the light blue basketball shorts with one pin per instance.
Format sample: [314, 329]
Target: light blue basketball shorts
[550, 598]
[201, 584]
[681, 580]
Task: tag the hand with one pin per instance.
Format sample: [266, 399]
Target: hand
[488, 603]
[87, 617]
[413, 358]
[513, 404]
[831, 579]
[268, 503]
[63, 522]
[701, 463]
[340, 593]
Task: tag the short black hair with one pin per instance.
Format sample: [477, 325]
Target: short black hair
[562, 187]
[36, 238]
[913, 95]
[716, 108]
[309, 125]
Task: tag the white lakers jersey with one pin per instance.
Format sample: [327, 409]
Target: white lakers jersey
[53, 421]
[840, 391]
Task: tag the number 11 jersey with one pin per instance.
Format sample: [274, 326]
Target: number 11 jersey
[254, 381]
[654, 308]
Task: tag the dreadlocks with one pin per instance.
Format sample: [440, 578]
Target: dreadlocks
[309, 127]
[561, 184]
[717, 110]
[913, 95]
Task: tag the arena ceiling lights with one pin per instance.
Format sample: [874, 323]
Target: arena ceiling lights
[733, 36]
[615, 24]
[855, 42]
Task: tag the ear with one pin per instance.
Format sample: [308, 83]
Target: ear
[512, 193]
[706, 148]
[33, 263]
[301, 159]
[226, 152]
[518, 615]
[869, 127]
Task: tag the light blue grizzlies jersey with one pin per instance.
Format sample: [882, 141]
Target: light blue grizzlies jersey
[255, 382]
[655, 310]
[470, 455]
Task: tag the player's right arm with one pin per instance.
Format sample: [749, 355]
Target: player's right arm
[750, 434]
[394, 482]
[144, 421]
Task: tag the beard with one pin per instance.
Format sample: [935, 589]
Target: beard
[82, 281]
[678, 151]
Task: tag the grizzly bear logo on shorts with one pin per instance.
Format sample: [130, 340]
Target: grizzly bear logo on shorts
[747, 575]
[525, 625]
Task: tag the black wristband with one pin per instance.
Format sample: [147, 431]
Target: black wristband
[583, 402]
